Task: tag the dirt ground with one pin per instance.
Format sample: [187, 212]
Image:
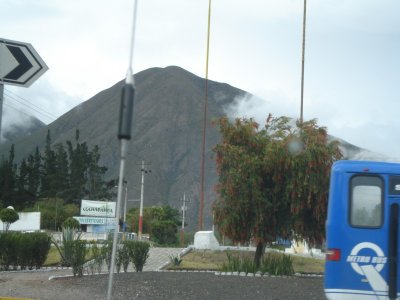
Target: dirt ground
[157, 285]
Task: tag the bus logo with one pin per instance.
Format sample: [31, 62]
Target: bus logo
[369, 266]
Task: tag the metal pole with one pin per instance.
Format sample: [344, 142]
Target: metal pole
[124, 144]
[203, 150]
[302, 62]
[1, 105]
[124, 135]
[126, 199]
[141, 203]
[183, 220]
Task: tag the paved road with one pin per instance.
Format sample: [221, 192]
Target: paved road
[150, 285]
[160, 257]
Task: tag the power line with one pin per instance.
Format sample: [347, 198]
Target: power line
[30, 103]
[19, 110]
[30, 106]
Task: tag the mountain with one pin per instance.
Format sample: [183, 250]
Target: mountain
[27, 126]
[167, 136]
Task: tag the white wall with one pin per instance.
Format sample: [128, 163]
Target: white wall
[27, 222]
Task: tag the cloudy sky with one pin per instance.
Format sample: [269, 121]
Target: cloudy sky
[352, 68]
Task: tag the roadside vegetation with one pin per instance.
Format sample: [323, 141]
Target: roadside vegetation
[220, 261]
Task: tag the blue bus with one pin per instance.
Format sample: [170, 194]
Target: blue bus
[362, 244]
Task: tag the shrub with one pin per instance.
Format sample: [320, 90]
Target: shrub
[41, 247]
[106, 251]
[138, 253]
[277, 264]
[77, 259]
[66, 248]
[72, 250]
[71, 223]
[175, 260]
[97, 257]
[9, 249]
[23, 249]
[124, 255]
[273, 264]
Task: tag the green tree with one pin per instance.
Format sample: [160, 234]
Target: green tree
[49, 170]
[8, 216]
[96, 186]
[273, 182]
[160, 222]
[8, 179]
[34, 162]
[61, 178]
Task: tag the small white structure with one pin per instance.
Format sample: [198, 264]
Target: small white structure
[205, 240]
[28, 221]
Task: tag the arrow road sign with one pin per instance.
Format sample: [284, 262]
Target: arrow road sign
[20, 64]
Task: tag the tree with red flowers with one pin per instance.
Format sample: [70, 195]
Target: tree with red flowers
[274, 181]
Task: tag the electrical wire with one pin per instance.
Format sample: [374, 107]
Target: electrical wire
[13, 98]
[15, 108]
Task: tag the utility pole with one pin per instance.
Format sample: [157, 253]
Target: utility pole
[183, 208]
[302, 62]
[144, 171]
[203, 144]
[126, 199]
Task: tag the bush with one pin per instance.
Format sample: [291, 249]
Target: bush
[9, 249]
[273, 264]
[78, 255]
[71, 223]
[277, 264]
[23, 249]
[123, 254]
[97, 257]
[138, 253]
[106, 251]
[67, 244]
[175, 260]
[41, 243]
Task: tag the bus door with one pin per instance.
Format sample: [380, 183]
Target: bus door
[362, 254]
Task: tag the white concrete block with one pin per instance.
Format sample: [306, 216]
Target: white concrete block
[205, 240]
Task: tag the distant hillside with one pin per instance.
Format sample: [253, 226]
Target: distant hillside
[21, 129]
[168, 120]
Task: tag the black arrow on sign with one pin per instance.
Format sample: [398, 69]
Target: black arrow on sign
[23, 61]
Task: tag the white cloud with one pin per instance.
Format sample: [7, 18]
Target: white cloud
[351, 73]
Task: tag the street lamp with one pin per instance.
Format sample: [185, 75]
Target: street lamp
[143, 170]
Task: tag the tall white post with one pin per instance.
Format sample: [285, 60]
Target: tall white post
[126, 200]
[141, 202]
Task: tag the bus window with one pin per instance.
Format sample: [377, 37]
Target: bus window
[366, 201]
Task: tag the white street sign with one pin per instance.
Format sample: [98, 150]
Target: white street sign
[20, 64]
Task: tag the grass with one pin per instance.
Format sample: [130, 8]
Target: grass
[54, 258]
[213, 260]
[308, 265]
[201, 260]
